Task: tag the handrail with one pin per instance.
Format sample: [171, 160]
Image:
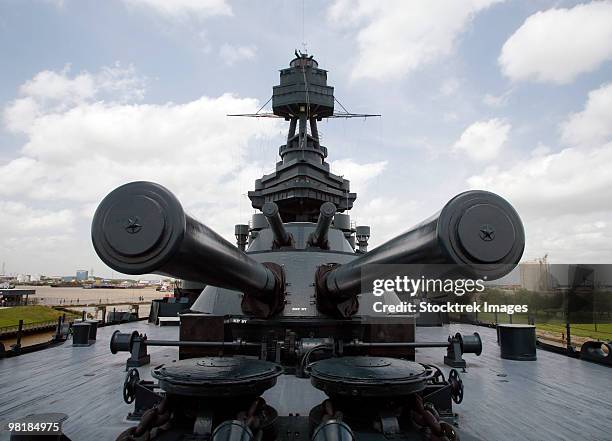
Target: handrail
[27, 326]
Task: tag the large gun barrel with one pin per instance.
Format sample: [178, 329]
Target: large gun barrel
[477, 230]
[281, 237]
[326, 215]
[141, 228]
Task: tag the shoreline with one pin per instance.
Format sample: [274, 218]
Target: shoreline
[66, 297]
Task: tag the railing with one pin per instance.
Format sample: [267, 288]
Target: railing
[28, 326]
[565, 317]
[552, 327]
[60, 301]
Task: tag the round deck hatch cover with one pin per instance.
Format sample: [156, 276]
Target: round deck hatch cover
[368, 376]
[217, 376]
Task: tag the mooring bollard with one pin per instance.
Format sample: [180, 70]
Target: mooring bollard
[17, 345]
[58, 331]
[80, 336]
[517, 342]
[93, 330]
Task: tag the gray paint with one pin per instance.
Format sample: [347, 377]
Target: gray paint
[553, 398]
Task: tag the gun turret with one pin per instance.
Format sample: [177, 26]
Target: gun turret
[281, 237]
[141, 228]
[476, 230]
[326, 214]
[362, 234]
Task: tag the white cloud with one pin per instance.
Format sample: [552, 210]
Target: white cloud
[540, 150]
[564, 196]
[497, 100]
[78, 148]
[575, 238]
[594, 124]
[34, 235]
[387, 216]
[563, 199]
[51, 91]
[395, 37]
[204, 42]
[58, 86]
[358, 174]
[79, 151]
[233, 54]
[570, 181]
[184, 8]
[483, 140]
[21, 113]
[557, 45]
[18, 218]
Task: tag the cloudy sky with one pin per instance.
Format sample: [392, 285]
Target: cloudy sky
[513, 97]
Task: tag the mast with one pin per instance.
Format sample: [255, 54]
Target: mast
[302, 181]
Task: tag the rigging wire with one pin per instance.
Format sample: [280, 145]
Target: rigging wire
[304, 26]
[265, 104]
[305, 137]
[343, 108]
[307, 108]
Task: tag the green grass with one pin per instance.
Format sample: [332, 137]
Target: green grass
[603, 332]
[29, 314]
[502, 318]
[557, 326]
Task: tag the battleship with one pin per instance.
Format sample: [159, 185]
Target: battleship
[281, 344]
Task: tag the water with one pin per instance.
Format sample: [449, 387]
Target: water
[47, 295]
[28, 340]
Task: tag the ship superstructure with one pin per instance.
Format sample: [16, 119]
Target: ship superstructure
[282, 344]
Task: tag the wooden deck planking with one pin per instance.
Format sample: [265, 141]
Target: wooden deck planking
[553, 398]
[83, 382]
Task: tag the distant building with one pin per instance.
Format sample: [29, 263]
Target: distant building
[23, 278]
[82, 275]
[15, 297]
[535, 275]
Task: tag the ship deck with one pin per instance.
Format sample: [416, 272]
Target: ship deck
[553, 398]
